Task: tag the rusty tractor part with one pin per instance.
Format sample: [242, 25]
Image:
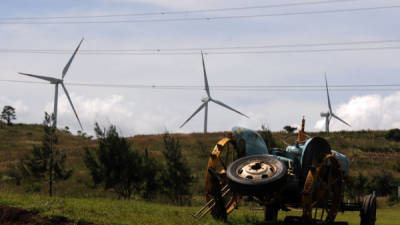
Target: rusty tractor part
[368, 210]
[211, 204]
[222, 202]
[323, 189]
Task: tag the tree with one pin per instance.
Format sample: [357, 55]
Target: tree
[358, 187]
[114, 164]
[47, 162]
[177, 175]
[8, 114]
[289, 129]
[393, 135]
[151, 176]
[383, 183]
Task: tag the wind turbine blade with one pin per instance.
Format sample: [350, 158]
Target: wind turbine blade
[202, 105]
[327, 94]
[205, 76]
[72, 105]
[228, 107]
[50, 79]
[338, 118]
[65, 70]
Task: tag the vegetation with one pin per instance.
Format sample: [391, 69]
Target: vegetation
[268, 138]
[121, 212]
[114, 163]
[369, 152]
[289, 129]
[177, 176]
[393, 135]
[8, 114]
[45, 162]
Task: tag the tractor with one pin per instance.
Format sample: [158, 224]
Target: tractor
[307, 175]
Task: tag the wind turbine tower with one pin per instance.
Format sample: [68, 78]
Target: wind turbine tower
[56, 82]
[208, 99]
[328, 115]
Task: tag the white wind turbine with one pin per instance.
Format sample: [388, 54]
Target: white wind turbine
[328, 115]
[208, 99]
[57, 82]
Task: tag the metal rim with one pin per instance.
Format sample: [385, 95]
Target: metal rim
[256, 170]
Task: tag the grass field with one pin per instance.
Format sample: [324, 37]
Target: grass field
[368, 152]
[118, 212]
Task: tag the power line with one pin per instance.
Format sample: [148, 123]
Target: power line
[179, 12]
[221, 52]
[346, 87]
[158, 50]
[210, 18]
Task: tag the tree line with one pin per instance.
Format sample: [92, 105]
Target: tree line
[114, 164]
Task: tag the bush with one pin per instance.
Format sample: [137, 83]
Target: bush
[393, 135]
[384, 183]
[358, 187]
[269, 140]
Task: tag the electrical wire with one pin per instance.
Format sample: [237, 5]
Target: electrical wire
[219, 52]
[346, 87]
[197, 49]
[180, 12]
[209, 18]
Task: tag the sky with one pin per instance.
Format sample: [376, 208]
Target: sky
[153, 110]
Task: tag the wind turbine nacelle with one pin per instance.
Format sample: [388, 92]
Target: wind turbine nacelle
[205, 99]
[324, 114]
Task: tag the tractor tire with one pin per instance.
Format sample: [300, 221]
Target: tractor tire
[368, 210]
[256, 175]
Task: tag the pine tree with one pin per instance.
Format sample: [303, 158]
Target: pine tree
[47, 162]
[151, 175]
[114, 164]
[8, 114]
[177, 175]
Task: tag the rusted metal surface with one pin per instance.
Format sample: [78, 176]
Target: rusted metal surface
[217, 165]
[323, 189]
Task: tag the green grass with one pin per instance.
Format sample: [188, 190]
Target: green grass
[367, 150]
[112, 211]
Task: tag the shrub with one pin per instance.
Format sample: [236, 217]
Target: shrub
[269, 140]
[393, 135]
[383, 183]
[358, 187]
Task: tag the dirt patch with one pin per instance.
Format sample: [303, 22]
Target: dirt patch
[17, 216]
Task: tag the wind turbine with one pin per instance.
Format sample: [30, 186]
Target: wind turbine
[208, 99]
[57, 82]
[328, 115]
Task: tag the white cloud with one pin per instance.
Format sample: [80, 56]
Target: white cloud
[367, 112]
[21, 109]
[114, 109]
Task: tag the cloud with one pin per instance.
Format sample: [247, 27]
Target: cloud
[367, 112]
[21, 109]
[129, 118]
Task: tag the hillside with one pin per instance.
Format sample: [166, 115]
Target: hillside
[362, 147]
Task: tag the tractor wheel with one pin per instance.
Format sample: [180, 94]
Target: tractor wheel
[217, 188]
[256, 175]
[368, 210]
[323, 189]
